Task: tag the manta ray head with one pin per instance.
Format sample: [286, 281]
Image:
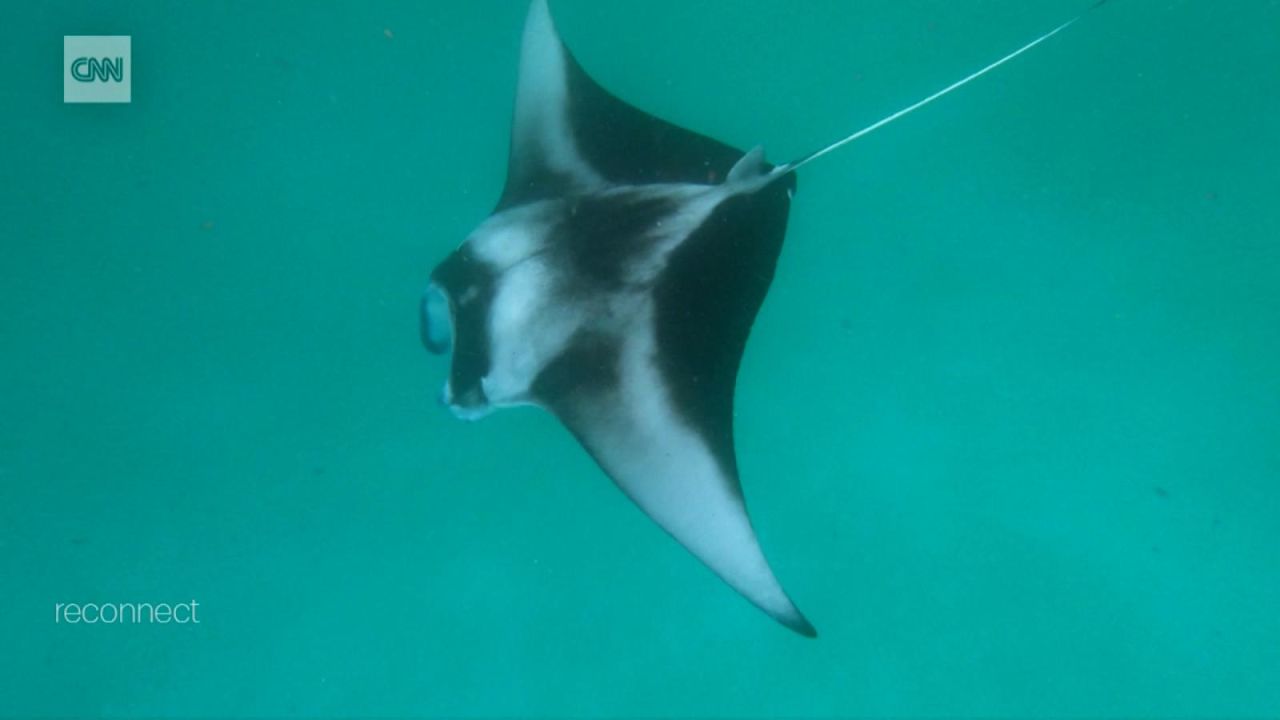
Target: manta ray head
[461, 285]
[497, 303]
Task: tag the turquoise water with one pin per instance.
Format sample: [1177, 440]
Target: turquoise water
[1009, 422]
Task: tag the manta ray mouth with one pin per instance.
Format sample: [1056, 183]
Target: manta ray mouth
[435, 321]
[436, 329]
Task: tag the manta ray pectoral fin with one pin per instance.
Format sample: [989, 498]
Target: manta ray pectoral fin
[544, 158]
[629, 423]
[570, 134]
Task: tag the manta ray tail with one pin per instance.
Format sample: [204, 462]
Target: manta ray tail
[797, 164]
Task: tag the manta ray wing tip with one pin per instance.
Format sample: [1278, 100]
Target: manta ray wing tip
[796, 622]
[802, 626]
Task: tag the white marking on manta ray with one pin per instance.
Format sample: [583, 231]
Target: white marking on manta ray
[558, 300]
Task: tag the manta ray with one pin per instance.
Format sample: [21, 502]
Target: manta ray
[615, 285]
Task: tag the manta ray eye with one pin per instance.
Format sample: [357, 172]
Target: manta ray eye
[435, 321]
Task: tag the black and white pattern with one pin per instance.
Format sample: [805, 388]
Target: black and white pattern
[615, 285]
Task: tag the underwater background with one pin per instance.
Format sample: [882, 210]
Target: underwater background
[1008, 424]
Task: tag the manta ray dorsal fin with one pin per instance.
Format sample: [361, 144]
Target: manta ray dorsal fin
[752, 165]
[545, 159]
